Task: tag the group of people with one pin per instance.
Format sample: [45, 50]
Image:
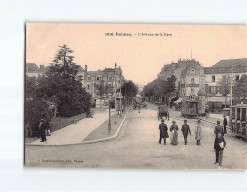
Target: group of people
[44, 130]
[174, 132]
[219, 143]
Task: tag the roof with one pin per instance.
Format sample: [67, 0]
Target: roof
[240, 105]
[231, 62]
[219, 99]
[99, 72]
[32, 67]
[80, 69]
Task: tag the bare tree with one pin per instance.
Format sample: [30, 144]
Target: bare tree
[225, 86]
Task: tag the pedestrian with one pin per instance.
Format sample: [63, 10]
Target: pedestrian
[174, 133]
[186, 130]
[48, 129]
[218, 129]
[139, 107]
[163, 131]
[206, 112]
[198, 132]
[42, 130]
[219, 145]
[28, 130]
[225, 124]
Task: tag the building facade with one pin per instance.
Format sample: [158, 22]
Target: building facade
[109, 76]
[192, 79]
[233, 69]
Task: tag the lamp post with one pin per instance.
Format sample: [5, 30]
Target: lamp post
[109, 123]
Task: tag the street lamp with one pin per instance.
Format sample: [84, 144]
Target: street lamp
[109, 123]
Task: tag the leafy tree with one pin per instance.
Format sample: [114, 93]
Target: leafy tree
[225, 86]
[240, 89]
[160, 88]
[129, 89]
[35, 110]
[62, 88]
[103, 89]
[63, 63]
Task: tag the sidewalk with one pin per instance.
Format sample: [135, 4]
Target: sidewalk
[75, 133]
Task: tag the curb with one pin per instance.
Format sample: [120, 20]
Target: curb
[91, 141]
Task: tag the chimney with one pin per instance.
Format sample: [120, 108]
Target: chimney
[42, 67]
[85, 68]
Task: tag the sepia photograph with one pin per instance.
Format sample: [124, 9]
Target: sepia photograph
[135, 96]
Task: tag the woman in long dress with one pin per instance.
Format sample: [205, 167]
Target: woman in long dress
[198, 132]
[174, 133]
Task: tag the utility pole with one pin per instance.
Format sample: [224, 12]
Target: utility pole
[115, 92]
[115, 87]
[231, 84]
[120, 91]
[191, 53]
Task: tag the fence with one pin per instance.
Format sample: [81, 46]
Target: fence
[61, 122]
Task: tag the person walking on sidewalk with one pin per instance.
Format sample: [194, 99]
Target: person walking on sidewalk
[42, 130]
[225, 124]
[174, 133]
[28, 130]
[218, 129]
[198, 132]
[163, 131]
[186, 130]
[219, 145]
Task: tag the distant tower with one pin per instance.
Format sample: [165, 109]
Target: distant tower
[191, 53]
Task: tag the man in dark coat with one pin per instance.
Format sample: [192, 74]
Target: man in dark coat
[163, 131]
[42, 130]
[219, 145]
[225, 124]
[186, 130]
[218, 129]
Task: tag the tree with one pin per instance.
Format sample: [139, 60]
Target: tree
[103, 89]
[225, 86]
[36, 108]
[63, 63]
[240, 89]
[159, 88]
[61, 87]
[129, 90]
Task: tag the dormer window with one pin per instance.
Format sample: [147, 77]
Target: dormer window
[109, 78]
[88, 78]
[99, 78]
[192, 71]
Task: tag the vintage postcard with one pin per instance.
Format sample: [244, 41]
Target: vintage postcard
[135, 96]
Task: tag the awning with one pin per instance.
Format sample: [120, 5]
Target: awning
[178, 101]
[220, 99]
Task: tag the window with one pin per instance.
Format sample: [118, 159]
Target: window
[88, 78]
[109, 78]
[192, 81]
[99, 78]
[192, 71]
[192, 91]
[213, 78]
[237, 78]
[213, 90]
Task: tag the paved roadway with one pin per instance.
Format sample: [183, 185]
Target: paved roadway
[137, 147]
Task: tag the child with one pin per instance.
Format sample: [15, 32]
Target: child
[219, 145]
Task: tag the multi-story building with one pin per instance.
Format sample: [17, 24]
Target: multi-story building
[192, 79]
[110, 77]
[233, 68]
[186, 72]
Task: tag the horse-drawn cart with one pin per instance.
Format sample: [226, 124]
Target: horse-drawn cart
[163, 112]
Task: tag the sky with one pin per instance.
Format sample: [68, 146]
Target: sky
[140, 57]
